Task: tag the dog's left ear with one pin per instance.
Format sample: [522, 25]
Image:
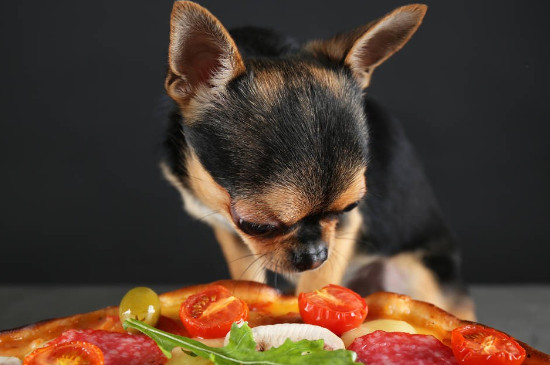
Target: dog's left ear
[365, 48]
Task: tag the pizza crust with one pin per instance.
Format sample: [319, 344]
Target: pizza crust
[267, 306]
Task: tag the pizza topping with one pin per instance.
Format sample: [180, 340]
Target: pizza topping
[117, 348]
[387, 348]
[140, 303]
[171, 325]
[241, 348]
[69, 353]
[210, 313]
[275, 335]
[9, 360]
[476, 344]
[388, 325]
[334, 307]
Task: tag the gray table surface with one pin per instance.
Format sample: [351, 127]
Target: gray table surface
[522, 311]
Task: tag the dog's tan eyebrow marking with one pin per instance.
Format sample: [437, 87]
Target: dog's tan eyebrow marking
[281, 205]
[333, 81]
[355, 192]
[268, 84]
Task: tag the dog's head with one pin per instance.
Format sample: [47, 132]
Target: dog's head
[274, 148]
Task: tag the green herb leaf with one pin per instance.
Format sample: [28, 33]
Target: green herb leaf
[241, 348]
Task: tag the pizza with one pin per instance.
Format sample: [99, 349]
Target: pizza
[232, 322]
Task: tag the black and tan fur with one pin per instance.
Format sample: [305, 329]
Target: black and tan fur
[273, 144]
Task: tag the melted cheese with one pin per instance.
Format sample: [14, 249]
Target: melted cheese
[388, 325]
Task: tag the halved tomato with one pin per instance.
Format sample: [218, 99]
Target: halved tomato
[210, 313]
[69, 353]
[334, 307]
[477, 345]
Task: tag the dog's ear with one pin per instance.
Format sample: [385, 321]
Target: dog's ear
[202, 55]
[366, 47]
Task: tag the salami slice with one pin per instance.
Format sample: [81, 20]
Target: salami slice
[118, 348]
[398, 348]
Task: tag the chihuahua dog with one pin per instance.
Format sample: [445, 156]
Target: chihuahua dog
[277, 147]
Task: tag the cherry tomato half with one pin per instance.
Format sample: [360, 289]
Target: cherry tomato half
[334, 307]
[210, 313]
[69, 353]
[477, 345]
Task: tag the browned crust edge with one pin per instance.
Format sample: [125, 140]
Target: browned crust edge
[20, 341]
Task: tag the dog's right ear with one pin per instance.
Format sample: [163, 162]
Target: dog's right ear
[202, 56]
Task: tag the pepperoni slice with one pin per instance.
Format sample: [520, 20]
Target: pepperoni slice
[118, 348]
[398, 348]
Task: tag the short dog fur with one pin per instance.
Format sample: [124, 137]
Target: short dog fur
[277, 147]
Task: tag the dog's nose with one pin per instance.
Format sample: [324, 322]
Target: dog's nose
[309, 256]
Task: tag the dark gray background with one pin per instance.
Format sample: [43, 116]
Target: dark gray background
[81, 195]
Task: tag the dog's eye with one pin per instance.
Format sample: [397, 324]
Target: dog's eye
[256, 229]
[351, 206]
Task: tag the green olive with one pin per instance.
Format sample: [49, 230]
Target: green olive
[140, 303]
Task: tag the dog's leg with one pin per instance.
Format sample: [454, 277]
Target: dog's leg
[243, 265]
[342, 249]
[406, 273]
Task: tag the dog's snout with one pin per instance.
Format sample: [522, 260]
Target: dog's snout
[309, 256]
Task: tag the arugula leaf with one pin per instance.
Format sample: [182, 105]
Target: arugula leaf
[241, 348]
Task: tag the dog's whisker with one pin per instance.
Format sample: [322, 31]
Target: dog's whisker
[196, 178]
[276, 274]
[255, 261]
[242, 258]
[214, 212]
[275, 266]
[262, 266]
[358, 240]
[341, 263]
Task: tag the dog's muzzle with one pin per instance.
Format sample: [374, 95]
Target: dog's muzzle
[309, 256]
